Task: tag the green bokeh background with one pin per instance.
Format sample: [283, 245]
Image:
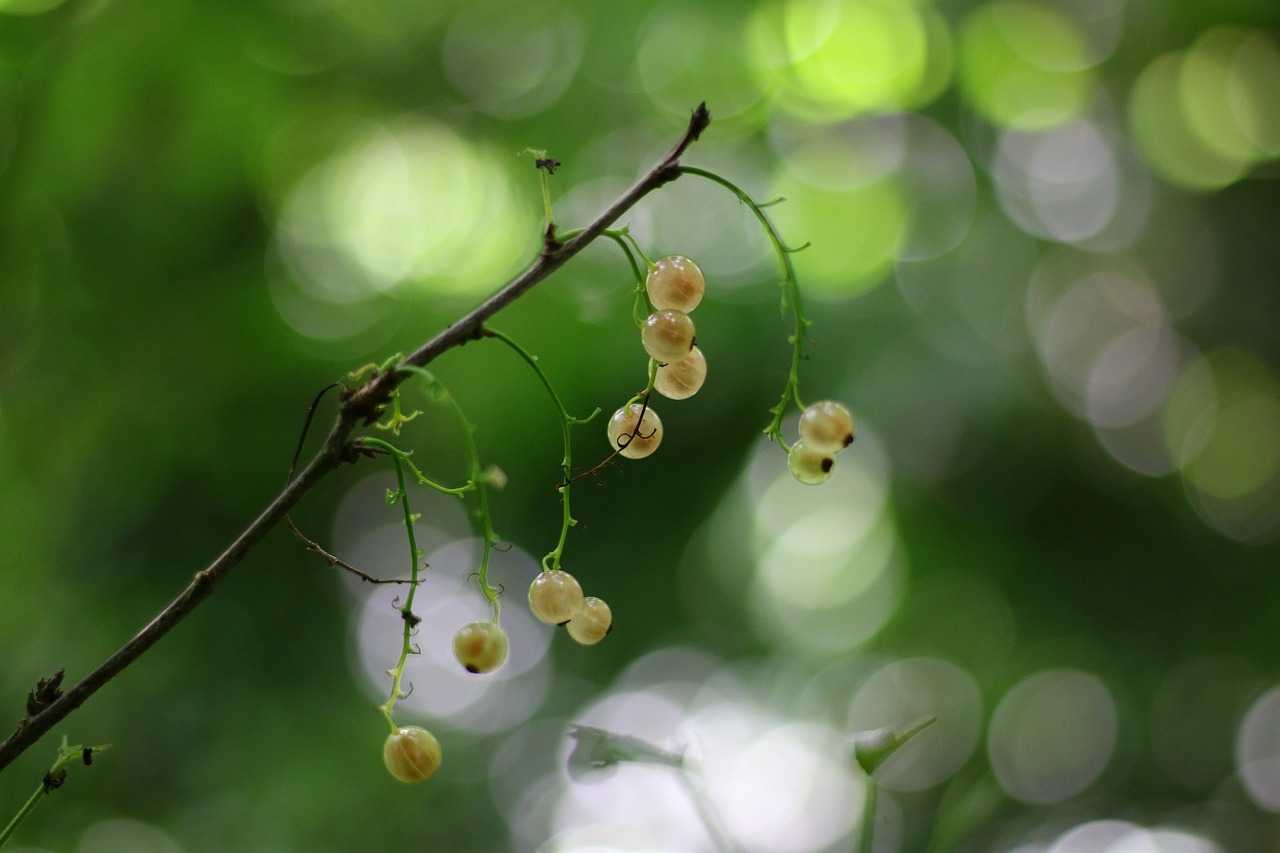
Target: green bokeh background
[209, 211]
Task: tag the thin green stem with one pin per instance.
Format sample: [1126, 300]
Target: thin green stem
[402, 456]
[488, 535]
[406, 611]
[790, 297]
[621, 237]
[40, 793]
[478, 483]
[52, 781]
[648, 388]
[866, 828]
[642, 307]
[545, 167]
[702, 805]
[552, 560]
[546, 197]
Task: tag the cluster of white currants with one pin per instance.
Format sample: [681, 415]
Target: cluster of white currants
[675, 286]
[826, 428]
[555, 597]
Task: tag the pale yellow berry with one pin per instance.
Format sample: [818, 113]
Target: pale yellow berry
[826, 427]
[675, 282]
[555, 597]
[682, 379]
[634, 436]
[480, 646]
[590, 624]
[411, 754]
[667, 335]
[809, 466]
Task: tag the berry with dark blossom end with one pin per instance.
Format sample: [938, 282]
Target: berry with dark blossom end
[826, 427]
[809, 466]
[667, 335]
[675, 282]
[590, 624]
[480, 646]
[555, 597]
[632, 434]
[411, 754]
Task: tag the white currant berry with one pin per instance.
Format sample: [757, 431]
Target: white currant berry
[411, 754]
[590, 624]
[633, 435]
[675, 282]
[555, 597]
[667, 335]
[480, 646]
[809, 466]
[826, 427]
[681, 379]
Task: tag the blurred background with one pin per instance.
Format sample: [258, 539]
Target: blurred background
[1043, 274]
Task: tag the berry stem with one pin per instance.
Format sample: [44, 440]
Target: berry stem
[868, 824]
[378, 445]
[401, 496]
[479, 482]
[545, 166]
[52, 781]
[693, 786]
[552, 560]
[488, 535]
[790, 298]
[620, 236]
[642, 307]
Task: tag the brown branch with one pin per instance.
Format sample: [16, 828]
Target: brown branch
[362, 405]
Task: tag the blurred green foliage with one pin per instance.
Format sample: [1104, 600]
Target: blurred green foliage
[1043, 275]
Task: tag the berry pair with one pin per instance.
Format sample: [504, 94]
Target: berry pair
[555, 597]
[826, 428]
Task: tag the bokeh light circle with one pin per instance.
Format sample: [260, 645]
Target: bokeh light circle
[446, 599]
[905, 692]
[1052, 735]
[1024, 64]
[410, 202]
[833, 59]
[1258, 751]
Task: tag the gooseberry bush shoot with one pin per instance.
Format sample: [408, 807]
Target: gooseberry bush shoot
[375, 402]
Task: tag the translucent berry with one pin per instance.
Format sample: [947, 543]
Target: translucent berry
[809, 466]
[635, 437]
[480, 646]
[411, 754]
[826, 427]
[683, 378]
[555, 597]
[592, 622]
[675, 282]
[667, 335]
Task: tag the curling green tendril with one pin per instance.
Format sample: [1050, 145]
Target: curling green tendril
[552, 560]
[790, 297]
